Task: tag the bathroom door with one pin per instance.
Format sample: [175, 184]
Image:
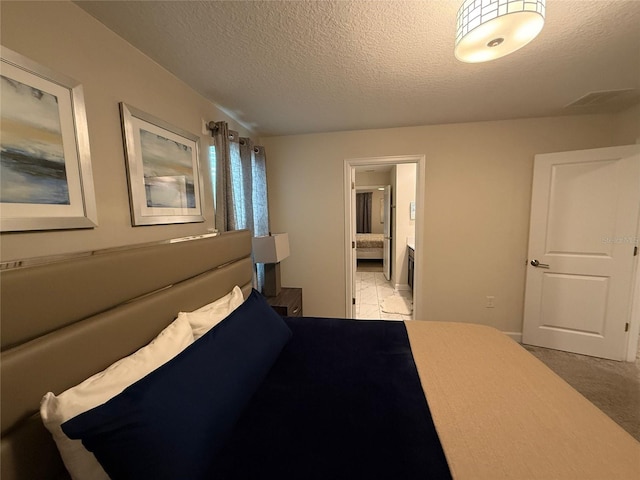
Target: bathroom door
[386, 243]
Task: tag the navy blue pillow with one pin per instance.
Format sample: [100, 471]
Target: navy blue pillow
[171, 423]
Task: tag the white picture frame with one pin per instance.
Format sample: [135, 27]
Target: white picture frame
[163, 170]
[45, 161]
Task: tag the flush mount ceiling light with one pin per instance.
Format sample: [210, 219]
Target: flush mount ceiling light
[490, 29]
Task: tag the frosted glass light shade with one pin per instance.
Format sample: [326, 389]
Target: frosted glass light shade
[490, 29]
[271, 249]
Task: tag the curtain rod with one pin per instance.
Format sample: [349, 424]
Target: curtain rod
[213, 126]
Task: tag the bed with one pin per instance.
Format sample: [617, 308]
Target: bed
[496, 411]
[369, 246]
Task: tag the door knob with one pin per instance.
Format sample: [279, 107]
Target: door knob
[536, 263]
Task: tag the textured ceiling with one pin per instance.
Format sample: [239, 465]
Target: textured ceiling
[315, 66]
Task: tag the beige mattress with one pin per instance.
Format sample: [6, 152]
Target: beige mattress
[369, 240]
[502, 414]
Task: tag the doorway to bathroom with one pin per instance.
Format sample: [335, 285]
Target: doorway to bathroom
[383, 236]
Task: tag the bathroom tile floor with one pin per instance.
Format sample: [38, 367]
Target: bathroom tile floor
[371, 289]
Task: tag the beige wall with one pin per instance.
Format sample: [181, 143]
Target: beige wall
[377, 216]
[627, 126]
[373, 178]
[477, 196]
[61, 36]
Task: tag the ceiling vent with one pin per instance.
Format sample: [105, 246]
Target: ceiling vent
[605, 98]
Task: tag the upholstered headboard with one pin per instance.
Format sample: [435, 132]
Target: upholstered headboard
[66, 320]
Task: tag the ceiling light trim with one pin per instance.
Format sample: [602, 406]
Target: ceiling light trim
[490, 29]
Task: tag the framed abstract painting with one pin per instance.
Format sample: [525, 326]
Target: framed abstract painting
[46, 182]
[163, 170]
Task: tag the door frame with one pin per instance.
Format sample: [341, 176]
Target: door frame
[389, 231]
[634, 318]
[349, 167]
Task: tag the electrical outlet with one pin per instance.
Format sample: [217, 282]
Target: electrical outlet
[491, 301]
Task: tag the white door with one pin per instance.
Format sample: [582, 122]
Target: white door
[354, 257]
[582, 247]
[386, 243]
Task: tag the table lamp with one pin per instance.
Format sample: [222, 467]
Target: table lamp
[271, 250]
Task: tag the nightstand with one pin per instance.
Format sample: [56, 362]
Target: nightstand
[288, 302]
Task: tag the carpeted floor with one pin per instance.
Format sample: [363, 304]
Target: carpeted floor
[614, 387]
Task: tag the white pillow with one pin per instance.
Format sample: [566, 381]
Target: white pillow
[101, 387]
[205, 318]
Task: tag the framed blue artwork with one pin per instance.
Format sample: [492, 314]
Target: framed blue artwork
[163, 170]
[46, 182]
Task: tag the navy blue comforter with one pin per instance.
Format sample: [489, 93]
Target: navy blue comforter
[343, 401]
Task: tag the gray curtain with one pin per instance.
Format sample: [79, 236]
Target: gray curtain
[224, 200]
[259, 191]
[363, 212]
[253, 160]
[240, 186]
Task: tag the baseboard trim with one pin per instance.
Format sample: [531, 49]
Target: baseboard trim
[517, 336]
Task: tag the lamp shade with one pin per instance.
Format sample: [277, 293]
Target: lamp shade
[271, 249]
[490, 29]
